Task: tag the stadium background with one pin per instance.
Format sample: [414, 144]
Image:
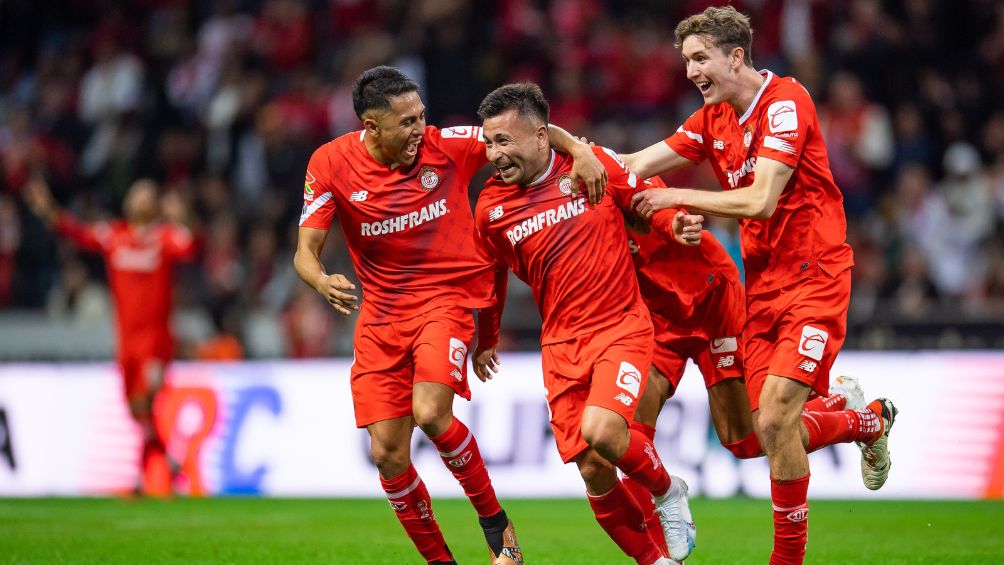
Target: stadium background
[223, 102]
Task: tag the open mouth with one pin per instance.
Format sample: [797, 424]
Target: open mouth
[704, 85]
[507, 168]
[412, 148]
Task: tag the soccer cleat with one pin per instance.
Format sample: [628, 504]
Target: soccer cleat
[666, 561]
[875, 461]
[849, 388]
[509, 552]
[677, 523]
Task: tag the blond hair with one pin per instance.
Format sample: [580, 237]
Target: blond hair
[727, 28]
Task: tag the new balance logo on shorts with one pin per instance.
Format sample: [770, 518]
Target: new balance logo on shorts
[624, 399]
[629, 378]
[807, 366]
[813, 342]
[726, 361]
[458, 352]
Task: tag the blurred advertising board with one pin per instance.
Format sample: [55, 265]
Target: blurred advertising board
[286, 429]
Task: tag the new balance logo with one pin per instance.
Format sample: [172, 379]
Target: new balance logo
[495, 213]
[457, 375]
[624, 399]
[359, 196]
[719, 144]
[808, 366]
[726, 361]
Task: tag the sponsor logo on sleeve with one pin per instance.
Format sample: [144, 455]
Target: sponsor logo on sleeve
[813, 342]
[308, 191]
[461, 132]
[781, 116]
[629, 378]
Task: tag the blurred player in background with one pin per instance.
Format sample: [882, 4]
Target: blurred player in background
[597, 335]
[762, 135]
[399, 189]
[140, 252]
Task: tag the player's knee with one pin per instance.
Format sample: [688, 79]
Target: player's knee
[390, 460]
[433, 417]
[774, 425]
[596, 472]
[746, 448]
[606, 437]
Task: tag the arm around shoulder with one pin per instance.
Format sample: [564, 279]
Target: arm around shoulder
[655, 159]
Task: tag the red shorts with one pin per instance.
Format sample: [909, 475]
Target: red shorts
[139, 355]
[607, 369]
[711, 338]
[796, 332]
[391, 357]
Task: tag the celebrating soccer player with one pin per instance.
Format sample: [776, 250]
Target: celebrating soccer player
[140, 253]
[762, 135]
[399, 188]
[597, 335]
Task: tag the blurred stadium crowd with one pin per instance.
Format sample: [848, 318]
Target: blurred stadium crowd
[223, 102]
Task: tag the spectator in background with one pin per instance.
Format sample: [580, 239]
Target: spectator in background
[140, 253]
[78, 298]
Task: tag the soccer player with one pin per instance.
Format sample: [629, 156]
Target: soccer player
[762, 135]
[399, 188]
[140, 253]
[597, 335]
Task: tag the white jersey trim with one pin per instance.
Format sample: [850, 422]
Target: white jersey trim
[309, 210]
[778, 144]
[749, 111]
[547, 172]
[695, 136]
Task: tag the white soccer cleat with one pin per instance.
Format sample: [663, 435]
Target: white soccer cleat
[875, 460]
[849, 388]
[677, 523]
[666, 561]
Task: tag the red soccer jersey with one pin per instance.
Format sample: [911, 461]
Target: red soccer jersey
[574, 256]
[140, 264]
[410, 232]
[808, 230]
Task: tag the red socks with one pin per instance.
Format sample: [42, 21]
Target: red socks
[623, 521]
[828, 428]
[410, 500]
[831, 403]
[460, 453]
[791, 520]
[641, 463]
[643, 497]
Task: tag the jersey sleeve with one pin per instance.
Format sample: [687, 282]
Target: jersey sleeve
[688, 140]
[94, 238]
[787, 122]
[490, 318]
[464, 144]
[179, 242]
[318, 198]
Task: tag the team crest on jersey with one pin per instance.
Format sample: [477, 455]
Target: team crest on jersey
[565, 185]
[748, 137]
[429, 178]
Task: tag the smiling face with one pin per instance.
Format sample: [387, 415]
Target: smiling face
[393, 134]
[517, 147]
[714, 71]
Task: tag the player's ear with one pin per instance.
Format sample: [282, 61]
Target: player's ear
[542, 139]
[371, 126]
[737, 58]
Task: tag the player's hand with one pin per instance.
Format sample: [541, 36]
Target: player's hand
[648, 202]
[587, 169]
[485, 363]
[333, 287]
[38, 197]
[687, 228]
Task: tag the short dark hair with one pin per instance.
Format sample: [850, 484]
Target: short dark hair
[524, 97]
[373, 89]
[727, 28]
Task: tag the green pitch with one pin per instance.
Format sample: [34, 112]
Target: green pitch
[362, 532]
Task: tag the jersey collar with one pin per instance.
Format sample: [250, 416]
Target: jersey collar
[550, 166]
[749, 111]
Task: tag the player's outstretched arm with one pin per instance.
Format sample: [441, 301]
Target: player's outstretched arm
[39, 199]
[307, 262]
[655, 159]
[585, 168]
[756, 201]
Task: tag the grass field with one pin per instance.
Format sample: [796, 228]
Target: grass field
[362, 532]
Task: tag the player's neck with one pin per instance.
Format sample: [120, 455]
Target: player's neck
[373, 148]
[748, 85]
